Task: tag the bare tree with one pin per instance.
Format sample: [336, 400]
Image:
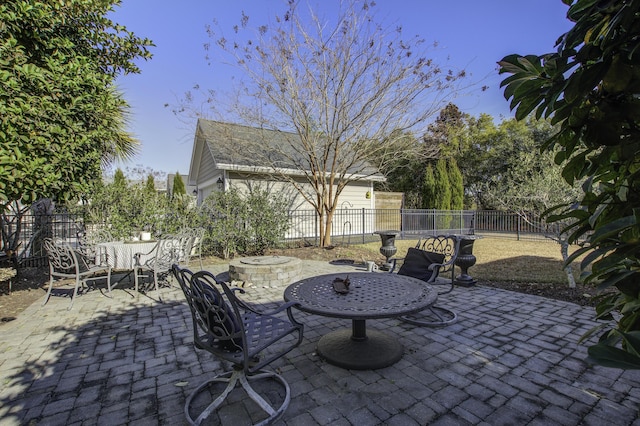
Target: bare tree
[343, 87]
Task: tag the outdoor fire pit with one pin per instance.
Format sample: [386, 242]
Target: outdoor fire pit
[271, 271]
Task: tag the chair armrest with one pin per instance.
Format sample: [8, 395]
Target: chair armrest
[394, 262]
[284, 307]
[136, 256]
[435, 271]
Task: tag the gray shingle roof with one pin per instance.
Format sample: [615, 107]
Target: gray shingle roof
[239, 145]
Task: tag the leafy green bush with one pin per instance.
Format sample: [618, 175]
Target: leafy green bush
[126, 208]
[243, 224]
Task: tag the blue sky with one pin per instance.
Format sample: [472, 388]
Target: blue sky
[473, 35]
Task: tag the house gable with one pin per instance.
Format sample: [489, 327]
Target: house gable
[224, 152]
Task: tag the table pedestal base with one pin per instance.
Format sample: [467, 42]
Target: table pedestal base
[376, 350]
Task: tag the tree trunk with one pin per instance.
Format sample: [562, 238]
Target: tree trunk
[327, 229]
[321, 231]
[564, 249]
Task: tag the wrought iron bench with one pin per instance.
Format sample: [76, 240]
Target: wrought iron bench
[431, 260]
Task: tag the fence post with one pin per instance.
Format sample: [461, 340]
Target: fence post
[315, 218]
[363, 226]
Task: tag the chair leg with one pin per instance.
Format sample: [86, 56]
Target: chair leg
[109, 281]
[75, 292]
[155, 283]
[232, 378]
[434, 316]
[48, 295]
[136, 273]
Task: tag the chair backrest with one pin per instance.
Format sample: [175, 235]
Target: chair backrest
[197, 236]
[217, 323]
[186, 245]
[191, 239]
[88, 241]
[447, 245]
[96, 236]
[168, 252]
[62, 257]
[431, 257]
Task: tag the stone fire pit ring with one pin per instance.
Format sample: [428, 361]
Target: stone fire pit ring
[268, 271]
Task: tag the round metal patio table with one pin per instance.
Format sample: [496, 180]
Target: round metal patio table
[371, 295]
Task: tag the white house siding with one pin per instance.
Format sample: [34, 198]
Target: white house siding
[215, 154]
[354, 199]
[207, 169]
[304, 225]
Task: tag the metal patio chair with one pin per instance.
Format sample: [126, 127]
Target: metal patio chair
[196, 237]
[88, 241]
[235, 332]
[159, 261]
[65, 262]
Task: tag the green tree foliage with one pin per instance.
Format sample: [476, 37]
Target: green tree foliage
[488, 153]
[119, 179]
[477, 142]
[61, 117]
[268, 219]
[457, 187]
[150, 184]
[441, 133]
[429, 189]
[179, 190]
[227, 214]
[126, 208]
[590, 87]
[244, 223]
[442, 199]
[407, 173]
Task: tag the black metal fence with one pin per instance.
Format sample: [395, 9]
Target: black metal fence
[352, 226]
[512, 225]
[33, 228]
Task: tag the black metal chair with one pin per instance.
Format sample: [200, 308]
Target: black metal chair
[432, 257]
[233, 331]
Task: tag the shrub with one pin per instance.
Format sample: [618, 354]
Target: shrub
[240, 224]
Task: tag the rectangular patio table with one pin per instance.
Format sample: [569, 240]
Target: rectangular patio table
[371, 295]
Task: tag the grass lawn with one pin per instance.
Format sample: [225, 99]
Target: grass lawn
[501, 259]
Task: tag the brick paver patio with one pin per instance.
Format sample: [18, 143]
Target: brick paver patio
[510, 359]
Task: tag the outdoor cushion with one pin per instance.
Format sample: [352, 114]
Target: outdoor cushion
[416, 263]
